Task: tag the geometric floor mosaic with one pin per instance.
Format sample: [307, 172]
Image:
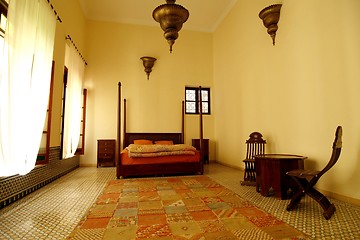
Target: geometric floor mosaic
[307, 217]
[53, 211]
[189, 207]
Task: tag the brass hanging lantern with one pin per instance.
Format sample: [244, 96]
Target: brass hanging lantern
[148, 63]
[171, 17]
[270, 16]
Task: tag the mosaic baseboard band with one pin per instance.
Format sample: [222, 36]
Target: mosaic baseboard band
[15, 187]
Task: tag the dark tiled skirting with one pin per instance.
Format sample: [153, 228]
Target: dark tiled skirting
[15, 187]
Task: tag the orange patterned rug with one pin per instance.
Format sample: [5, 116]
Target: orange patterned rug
[191, 207]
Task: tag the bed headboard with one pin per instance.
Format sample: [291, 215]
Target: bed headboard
[130, 137]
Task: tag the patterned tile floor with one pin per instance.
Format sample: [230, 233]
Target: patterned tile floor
[308, 218]
[53, 211]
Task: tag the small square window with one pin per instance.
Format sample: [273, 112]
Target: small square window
[192, 100]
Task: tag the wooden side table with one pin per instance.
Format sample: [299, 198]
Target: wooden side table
[205, 145]
[271, 172]
[106, 152]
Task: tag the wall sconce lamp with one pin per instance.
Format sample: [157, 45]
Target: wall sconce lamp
[171, 17]
[148, 63]
[270, 16]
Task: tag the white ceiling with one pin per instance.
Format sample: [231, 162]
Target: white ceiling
[205, 15]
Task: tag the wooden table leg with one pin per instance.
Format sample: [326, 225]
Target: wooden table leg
[265, 178]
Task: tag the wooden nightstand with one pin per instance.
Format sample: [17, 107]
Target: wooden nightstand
[205, 145]
[106, 152]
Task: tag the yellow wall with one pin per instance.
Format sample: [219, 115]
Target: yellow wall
[295, 93]
[153, 105]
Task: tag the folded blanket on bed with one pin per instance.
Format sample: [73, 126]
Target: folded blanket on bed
[154, 150]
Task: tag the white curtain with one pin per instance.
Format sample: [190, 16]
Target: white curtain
[25, 71]
[72, 121]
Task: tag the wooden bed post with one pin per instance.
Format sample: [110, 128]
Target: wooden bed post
[201, 125]
[182, 122]
[124, 129]
[118, 145]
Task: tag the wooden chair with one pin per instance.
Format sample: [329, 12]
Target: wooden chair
[306, 179]
[255, 145]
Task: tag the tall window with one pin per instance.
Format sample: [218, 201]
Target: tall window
[81, 146]
[192, 103]
[72, 101]
[3, 12]
[44, 150]
[25, 70]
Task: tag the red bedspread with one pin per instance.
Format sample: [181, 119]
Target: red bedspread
[126, 160]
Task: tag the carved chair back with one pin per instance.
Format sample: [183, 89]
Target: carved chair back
[255, 145]
[336, 150]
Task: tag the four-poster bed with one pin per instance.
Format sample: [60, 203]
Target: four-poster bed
[182, 163]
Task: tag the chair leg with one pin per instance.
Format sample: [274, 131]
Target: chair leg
[295, 200]
[249, 174]
[329, 212]
[328, 207]
[252, 171]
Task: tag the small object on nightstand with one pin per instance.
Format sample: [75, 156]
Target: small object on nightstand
[106, 152]
[205, 145]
